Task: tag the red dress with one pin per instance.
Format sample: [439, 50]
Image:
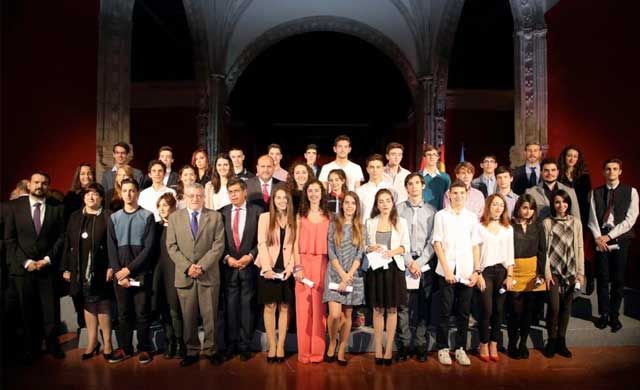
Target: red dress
[311, 317]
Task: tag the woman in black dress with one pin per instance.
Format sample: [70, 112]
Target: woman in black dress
[276, 235]
[86, 267]
[165, 296]
[573, 173]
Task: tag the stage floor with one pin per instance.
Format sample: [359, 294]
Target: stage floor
[590, 368]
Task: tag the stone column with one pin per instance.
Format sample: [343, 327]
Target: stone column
[114, 85]
[216, 113]
[424, 114]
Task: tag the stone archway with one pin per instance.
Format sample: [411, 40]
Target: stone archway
[322, 24]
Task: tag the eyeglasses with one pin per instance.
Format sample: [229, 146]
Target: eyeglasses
[197, 196]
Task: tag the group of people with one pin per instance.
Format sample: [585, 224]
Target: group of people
[313, 243]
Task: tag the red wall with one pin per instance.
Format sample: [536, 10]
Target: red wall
[49, 68]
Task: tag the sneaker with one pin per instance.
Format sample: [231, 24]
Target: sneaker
[444, 357]
[145, 357]
[462, 358]
[118, 356]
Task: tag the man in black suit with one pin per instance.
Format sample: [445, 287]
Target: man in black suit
[34, 235]
[241, 249]
[260, 187]
[171, 178]
[529, 174]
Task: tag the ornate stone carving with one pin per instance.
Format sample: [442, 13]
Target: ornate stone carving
[323, 23]
[114, 53]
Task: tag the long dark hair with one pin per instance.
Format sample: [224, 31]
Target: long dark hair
[304, 203]
[524, 198]
[343, 176]
[75, 183]
[357, 229]
[216, 180]
[273, 215]
[180, 185]
[565, 197]
[579, 169]
[393, 216]
[291, 181]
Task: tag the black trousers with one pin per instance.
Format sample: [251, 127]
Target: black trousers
[492, 303]
[37, 302]
[240, 296]
[610, 269]
[134, 308]
[520, 314]
[458, 297]
[560, 300]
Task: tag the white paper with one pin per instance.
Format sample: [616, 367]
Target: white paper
[376, 260]
[308, 282]
[334, 286]
[462, 280]
[413, 283]
[425, 268]
[132, 283]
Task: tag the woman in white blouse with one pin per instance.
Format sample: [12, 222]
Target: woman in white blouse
[216, 194]
[496, 267]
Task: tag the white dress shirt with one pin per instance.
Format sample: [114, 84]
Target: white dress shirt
[367, 194]
[622, 227]
[458, 233]
[496, 248]
[149, 198]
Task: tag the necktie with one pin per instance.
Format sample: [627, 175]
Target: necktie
[37, 223]
[194, 224]
[234, 227]
[533, 180]
[610, 195]
[265, 193]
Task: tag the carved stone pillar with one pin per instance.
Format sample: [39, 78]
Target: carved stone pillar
[530, 72]
[216, 106]
[424, 114]
[114, 86]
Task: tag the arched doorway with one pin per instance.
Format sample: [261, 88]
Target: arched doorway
[311, 87]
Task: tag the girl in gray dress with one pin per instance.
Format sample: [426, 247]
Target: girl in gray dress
[345, 249]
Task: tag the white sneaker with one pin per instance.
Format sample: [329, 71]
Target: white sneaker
[462, 358]
[444, 357]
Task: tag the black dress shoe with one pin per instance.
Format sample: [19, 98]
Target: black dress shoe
[181, 350]
[421, 354]
[550, 348]
[523, 351]
[512, 351]
[189, 360]
[602, 322]
[55, 351]
[341, 362]
[216, 359]
[379, 361]
[244, 356]
[615, 324]
[401, 356]
[170, 352]
[561, 348]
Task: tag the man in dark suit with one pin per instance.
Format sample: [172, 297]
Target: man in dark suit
[34, 235]
[195, 240]
[259, 188]
[120, 157]
[529, 174]
[240, 276]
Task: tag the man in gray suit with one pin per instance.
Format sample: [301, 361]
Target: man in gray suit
[195, 241]
[544, 192]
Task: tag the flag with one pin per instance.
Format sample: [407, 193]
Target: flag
[441, 165]
[462, 153]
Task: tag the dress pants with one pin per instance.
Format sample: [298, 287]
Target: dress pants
[310, 311]
[134, 307]
[240, 287]
[610, 268]
[416, 313]
[458, 297]
[199, 300]
[35, 292]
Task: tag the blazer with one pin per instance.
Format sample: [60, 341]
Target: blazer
[172, 182]
[21, 241]
[254, 192]
[521, 180]
[544, 207]
[399, 237]
[205, 250]
[109, 178]
[480, 186]
[249, 242]
[267, 255]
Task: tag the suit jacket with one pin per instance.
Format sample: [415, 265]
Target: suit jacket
[249, 242]
[480, 186]
[109, 178]
[172, 182]
[205, 250]
[399, 237]
[521, 180]
[254, 192]
[268, 254]
[21, 241]
[544, 207]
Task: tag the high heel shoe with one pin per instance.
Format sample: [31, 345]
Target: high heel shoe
[341, 362]
[494, 358]
[95, 352]
[271, 359]
[485, 358]
[379, 361]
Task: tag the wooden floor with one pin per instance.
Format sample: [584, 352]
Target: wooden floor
[590, 368]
